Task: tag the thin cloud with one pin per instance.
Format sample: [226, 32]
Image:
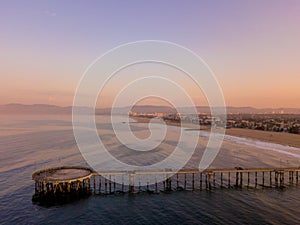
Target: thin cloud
[49, 13]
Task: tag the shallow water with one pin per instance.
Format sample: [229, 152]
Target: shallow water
[36, 142]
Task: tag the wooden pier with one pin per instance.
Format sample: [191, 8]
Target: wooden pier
[64, 180]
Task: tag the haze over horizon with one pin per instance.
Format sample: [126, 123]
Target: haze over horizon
[46, 109]
[145, 105]
[253, 47]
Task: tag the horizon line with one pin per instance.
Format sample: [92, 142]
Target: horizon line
[154, 105]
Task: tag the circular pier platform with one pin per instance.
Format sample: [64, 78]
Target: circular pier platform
[62, 180]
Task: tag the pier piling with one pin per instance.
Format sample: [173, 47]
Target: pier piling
[64, 180]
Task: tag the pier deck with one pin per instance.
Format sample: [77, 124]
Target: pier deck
[77, 179]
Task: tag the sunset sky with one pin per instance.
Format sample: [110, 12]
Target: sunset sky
[252, 46]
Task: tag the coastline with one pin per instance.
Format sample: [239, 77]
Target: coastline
[288, 139]
[292, 140]
[170, 123]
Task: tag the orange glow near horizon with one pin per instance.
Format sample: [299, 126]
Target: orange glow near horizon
[252, 47]
[274, 95]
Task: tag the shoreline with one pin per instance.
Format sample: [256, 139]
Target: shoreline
[287, 139]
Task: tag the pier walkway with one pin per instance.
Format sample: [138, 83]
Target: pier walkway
[63, 180]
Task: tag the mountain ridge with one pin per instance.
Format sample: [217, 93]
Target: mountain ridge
[18, 108]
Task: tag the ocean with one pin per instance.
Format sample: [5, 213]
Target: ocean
[33, 142]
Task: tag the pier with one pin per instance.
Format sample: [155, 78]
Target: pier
[70, 180]
[62, 180]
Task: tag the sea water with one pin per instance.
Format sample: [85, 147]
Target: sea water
[33, 142]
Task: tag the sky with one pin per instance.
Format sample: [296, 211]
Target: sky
[252, 46]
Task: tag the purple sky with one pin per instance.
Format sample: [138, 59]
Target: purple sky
[252, 46]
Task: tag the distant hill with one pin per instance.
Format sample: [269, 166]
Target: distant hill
[16, 108]
[252, 110]
[53, 109]
[33, 109]
[206, 109]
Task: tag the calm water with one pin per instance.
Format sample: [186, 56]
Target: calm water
[36, 142]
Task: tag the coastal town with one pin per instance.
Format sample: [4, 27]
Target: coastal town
[287, 123]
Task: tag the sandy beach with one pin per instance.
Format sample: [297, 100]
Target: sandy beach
[267, 136]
